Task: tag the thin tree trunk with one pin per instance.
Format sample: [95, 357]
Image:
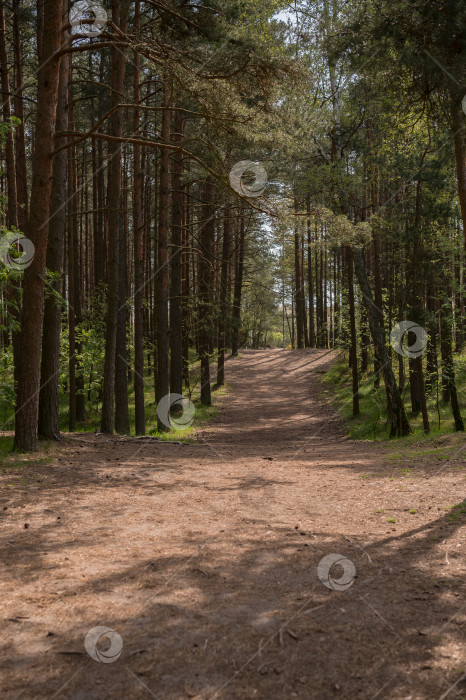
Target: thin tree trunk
[448, 367]
[186, 290]
[20, 150]
[121, 364]
[303, 294]
[432, 364]
[49, 427]
[162, 384]
[138, 230]
[72, 222]
[176, 331]
[119, 15]
[297, 281]
[99, 225]
[223, 298]
[238, 286]
[354, 342]
[12, 206]
[310, 282]
[206, 238]
[77, 294]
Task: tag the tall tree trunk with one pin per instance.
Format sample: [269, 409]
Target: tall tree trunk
[354, 342]
[185, 287]
[318, 330]
[223, 298]
[310, 283]
[448, 367]
[303, 294]
[206, 238]
[49, 428]
[432, 364]
[298, 289]
[238, 286]
[162, 384]
[120, 17]
[72, 281]
[20, 150]
[77, 295]
[377, 289]
[176, 335]
[121, 364]
[27, 397]
[138, 230]
[12, 218]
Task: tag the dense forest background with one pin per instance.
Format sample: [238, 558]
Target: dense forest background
[181, 179]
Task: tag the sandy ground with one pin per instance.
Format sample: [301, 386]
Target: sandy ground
[203, 559]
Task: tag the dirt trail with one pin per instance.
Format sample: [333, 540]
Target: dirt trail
[203, 558]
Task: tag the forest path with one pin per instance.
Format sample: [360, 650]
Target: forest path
[203, 557]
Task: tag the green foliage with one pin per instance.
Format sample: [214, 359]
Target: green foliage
[372, 422]
[7, 386]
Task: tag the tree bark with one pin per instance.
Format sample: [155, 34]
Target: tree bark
[77, 297]
[72, 223]
[185, 289]
[121, 364]
[27, 398]
[354, 344]
[162, 384]
[223, 298]
[176, 336]
[120, 16]
[20, 150]
[298, 289]
[205, 315]
[448, 367]
[138, 230]
[12, 205]
[49, 428]
[238, 286]
[310, 281]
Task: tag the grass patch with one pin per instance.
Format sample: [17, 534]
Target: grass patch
[456, 512]
[372, 423]
[12, 462]
[203, 414]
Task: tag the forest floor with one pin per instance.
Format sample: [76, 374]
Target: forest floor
[203, 556]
